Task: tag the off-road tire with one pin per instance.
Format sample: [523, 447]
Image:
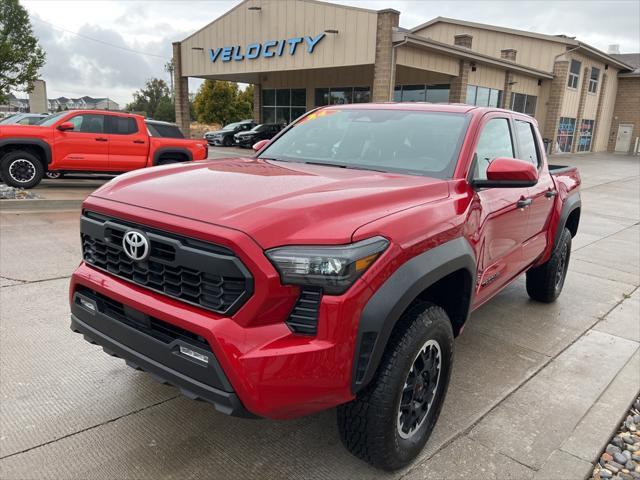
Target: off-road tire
[545, 282]
[18, 164]
[53, 175]
[167, 161]
[369, 425]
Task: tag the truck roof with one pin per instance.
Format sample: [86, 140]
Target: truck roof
[418, 106]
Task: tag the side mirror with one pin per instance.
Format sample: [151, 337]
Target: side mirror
[65, 126]
[505, 172]
[260, 145]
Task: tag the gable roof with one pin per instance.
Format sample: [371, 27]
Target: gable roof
[563, 39]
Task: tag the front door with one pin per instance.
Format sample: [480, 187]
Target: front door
[86, 147]
[623, 140]
[503, 218]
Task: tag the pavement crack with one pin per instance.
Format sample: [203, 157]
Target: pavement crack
[92, 427]
[29, 282]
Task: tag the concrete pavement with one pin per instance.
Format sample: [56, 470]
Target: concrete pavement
[536, 390]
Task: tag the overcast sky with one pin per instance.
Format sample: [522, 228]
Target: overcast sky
[79, 66]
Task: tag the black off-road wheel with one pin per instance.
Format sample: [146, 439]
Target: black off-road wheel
[53, 175]
[545, 282]
[21, 169]
[390, 421]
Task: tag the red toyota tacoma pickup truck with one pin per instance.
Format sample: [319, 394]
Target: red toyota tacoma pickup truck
[95, 141]
[334, 268]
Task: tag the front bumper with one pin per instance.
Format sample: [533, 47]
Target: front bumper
[132, 338]
[245, 142]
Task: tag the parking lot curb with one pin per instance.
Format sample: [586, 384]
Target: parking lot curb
[32, 204]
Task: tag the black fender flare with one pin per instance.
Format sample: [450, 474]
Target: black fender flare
[18, 141]
[571, 203]
[384, 308]
[179, 150]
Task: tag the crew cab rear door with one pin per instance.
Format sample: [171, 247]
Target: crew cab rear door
[86, 147]
[542, 194]
[503, 218]
[128, 143]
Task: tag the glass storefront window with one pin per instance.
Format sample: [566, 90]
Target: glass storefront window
[342, 95]
[482, 96]
[585, 135]
[283, 105]
[421, 93]
[361, 95]
[438, 93]
[523, 103]
[471, 94]
[495, 97]
[566, 130]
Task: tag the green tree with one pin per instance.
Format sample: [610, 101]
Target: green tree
[222, 102]
[166, 110]
[149, 98]
[20, 55]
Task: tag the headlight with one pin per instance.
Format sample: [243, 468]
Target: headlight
[334, 268]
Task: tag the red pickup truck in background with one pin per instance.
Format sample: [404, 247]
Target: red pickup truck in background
[90, 141]
[334, 268]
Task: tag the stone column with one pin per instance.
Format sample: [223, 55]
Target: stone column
[458, 88]
[181, 92]
[506, 92]
[580, 115]
[257, 102]
[384, 66]
[556, 97]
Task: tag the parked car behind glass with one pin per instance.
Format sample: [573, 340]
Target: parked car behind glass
[224, 137]
[265, 131]
[23, 119]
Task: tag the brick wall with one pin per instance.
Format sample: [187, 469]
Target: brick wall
[506, 92]
[257, 102]
[384, 67]
[626, 109]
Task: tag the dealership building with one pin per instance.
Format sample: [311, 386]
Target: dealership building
[301, 54]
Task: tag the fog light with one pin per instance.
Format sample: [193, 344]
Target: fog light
[193, 354]
[87, 304]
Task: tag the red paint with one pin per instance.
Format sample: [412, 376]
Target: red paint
[250, 205]
[511, 170]
[100, 152]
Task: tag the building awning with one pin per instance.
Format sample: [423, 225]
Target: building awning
[403, 37]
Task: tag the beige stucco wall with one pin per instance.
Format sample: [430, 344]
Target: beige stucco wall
[435, 62]
[354, 44]
[603, 129]
[486, 76]
[532, 52]
[572, 95]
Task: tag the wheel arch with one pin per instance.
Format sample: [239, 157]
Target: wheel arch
[443, 275]
[174, 153]
[35, 146]
[569, 217]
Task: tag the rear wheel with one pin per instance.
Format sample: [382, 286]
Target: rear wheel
[167, 161]
[21, 169]
[389, 423]
[544, 283]
[226, 142]
[53, 175]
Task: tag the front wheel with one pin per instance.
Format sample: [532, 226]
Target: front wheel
[21, 169]
[389, 422]
[544, 283]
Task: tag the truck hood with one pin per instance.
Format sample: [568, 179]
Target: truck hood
[276, 203]
[23, 130]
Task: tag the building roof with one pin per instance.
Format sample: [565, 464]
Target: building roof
[564, 39]
[632, 59]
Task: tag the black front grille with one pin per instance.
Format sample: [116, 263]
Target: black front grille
[190, 270]
[304, 316]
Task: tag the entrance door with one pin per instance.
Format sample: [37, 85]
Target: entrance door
[623, 140]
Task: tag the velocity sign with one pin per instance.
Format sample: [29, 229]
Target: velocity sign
[270, 48]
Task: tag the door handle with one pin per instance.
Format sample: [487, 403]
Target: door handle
[550, 194]
[101, 139]
[138, 141]
[524, 203]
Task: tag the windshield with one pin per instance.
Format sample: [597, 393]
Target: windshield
[258, 128]
[10, 118]
[231, 126]
[414, 142]
[51, 119]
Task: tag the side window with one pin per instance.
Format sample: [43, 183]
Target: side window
[122, 125]
[24, 121]
[88, 123]
[527, 143]
[574, 74]
[494, 142]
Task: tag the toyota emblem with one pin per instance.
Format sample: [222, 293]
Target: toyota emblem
[135, 245]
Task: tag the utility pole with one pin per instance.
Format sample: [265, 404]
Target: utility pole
[168, 67]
